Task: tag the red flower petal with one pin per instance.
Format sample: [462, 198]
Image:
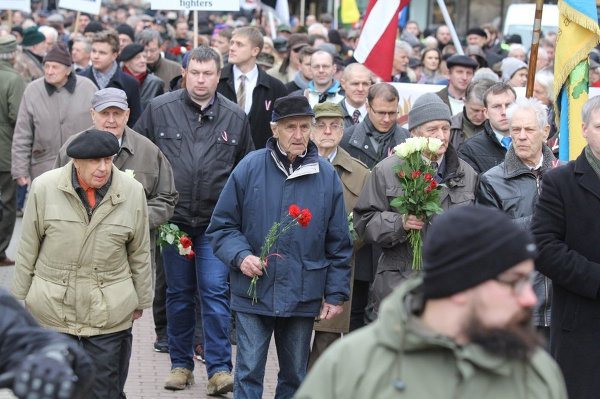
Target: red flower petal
[191, 255]
[294, 211]
[305, 217]
[185, 241]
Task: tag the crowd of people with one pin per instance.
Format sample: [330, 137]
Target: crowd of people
[114, 126]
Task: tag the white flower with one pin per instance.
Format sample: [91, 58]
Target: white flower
[184, 251]
[402, 150]
[130, 173]
[434, 144]
[420, 143]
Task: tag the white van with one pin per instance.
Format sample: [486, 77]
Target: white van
[519, 20]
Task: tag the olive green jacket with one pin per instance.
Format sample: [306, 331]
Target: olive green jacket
[399, 357]
[12, 87]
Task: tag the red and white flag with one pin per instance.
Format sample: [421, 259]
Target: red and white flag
[375, 47]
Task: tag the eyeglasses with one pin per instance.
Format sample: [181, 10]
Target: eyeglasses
[382, 114]
[323, 126]
[518, 286]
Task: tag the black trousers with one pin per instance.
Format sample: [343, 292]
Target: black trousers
[110, 354]
[159, 305]
[8, 210]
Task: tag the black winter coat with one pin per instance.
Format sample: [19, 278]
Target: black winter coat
[203, 147]
[483, 151]
[566, 229]
[514, 189]
[357, 142]
[129, 85]
[267, 90]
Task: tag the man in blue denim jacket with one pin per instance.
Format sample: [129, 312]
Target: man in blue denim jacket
[308, 271]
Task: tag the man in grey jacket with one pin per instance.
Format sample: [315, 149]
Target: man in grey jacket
[514, 185]
[376, 222]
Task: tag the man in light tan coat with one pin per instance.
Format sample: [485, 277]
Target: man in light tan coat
[83, 264]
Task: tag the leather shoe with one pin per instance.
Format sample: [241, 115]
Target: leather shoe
[6, 261]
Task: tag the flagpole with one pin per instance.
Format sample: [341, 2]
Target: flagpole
[195, 28]
[76, 27]
[533, 52]
[448, 22]
[336, 13]
[302, 5]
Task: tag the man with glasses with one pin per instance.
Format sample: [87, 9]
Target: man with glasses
[566, 230]
[375, 137]
[308, 276]
[327, 134]
[460, 329]
[376, 222]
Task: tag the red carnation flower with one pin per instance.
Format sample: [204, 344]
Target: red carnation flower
[185, 241]
[191, 255]
[401, 174]
[415, 174]
[428, 177]
[305, 217]
[294, 211]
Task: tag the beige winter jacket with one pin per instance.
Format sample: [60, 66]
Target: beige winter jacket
[84, 276]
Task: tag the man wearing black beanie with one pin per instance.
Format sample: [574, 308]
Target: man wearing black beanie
[463, 329]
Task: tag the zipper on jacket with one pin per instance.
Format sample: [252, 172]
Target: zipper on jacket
[547, 304]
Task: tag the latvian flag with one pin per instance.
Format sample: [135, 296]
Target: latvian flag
[376, 44]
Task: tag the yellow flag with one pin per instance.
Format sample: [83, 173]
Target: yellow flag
[349, 12]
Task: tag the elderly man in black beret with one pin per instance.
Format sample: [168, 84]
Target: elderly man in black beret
[83, 265]
[460, 73]
[133, 62]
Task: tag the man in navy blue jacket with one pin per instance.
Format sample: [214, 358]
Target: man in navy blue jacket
[308, 272]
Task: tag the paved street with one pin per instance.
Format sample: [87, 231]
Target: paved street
[148, 369]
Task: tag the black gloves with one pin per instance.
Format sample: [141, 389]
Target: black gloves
[46, 375]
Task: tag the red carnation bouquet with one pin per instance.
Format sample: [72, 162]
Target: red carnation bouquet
[170, 234]
[420, 192]
[298, 217]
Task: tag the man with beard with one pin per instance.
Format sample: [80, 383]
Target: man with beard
[462, 329]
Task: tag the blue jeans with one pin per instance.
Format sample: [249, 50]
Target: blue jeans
[292, 340]
[207, 276]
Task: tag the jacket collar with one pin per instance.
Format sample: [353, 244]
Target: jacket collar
[360, 136]
[453, 174]
[69, 86]
[513, 166]
[489, 132]
[227, 76]
[115, 193]
[586, 176]
[309, 164]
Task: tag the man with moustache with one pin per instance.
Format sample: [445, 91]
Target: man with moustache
[461, 329]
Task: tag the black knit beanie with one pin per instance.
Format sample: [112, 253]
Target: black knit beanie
[466, 246]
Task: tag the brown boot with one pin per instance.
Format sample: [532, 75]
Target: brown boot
[179, 378]
[221, 382]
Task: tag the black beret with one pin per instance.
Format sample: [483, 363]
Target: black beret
[291, 106]
[476, 31]
[130, 51]
[461, 60]
[125, 29]
[93, 144]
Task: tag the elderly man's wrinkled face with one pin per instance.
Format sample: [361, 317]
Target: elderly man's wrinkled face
[94, 172]
[435, 129]
[293, 134]
[327, 133]
[111, 119]
[527, 136]
[475, 111]
[56, 73]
